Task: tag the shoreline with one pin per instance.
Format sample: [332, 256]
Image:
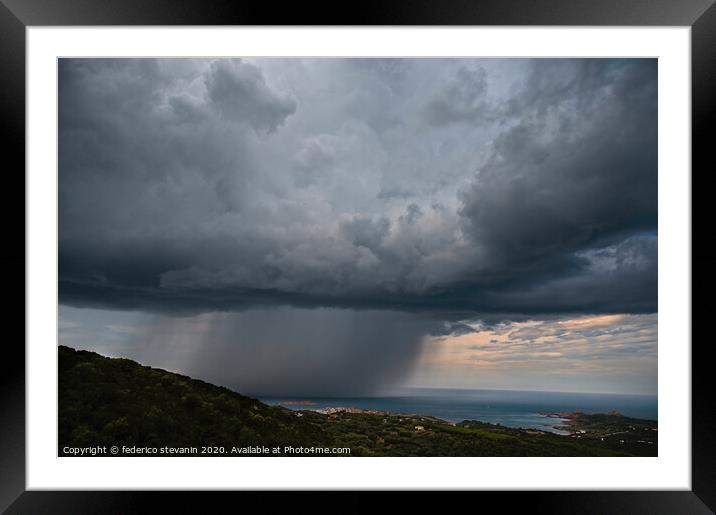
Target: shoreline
[569, 425]
[570, 422]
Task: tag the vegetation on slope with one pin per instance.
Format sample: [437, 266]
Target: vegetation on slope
[105, 401]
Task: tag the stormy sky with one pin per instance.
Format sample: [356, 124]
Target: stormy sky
[340, 226]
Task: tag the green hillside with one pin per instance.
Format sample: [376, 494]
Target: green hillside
[117, 402]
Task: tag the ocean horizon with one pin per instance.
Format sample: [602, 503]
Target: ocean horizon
[511, 408]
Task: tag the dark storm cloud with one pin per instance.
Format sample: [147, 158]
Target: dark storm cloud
[563, 182]
[451, 187]
[286, 351]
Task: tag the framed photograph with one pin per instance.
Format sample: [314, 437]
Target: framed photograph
[422, 248]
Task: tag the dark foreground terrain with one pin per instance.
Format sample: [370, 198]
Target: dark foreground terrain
[118, 407]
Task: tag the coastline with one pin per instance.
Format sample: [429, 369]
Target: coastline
[574, 424]
[336, 410]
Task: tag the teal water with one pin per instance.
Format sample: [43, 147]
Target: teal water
[510, 408]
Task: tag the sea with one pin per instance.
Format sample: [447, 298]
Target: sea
[511, 408]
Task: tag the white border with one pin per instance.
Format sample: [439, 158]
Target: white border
[670, 470]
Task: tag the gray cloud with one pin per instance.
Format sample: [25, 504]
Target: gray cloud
[442, 186]
[462, 101]
[238, 92]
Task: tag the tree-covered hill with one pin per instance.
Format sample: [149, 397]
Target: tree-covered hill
[105, 401]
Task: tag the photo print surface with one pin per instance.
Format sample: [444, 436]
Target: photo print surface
[357, 257]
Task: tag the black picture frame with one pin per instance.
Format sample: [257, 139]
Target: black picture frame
[16, 15]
